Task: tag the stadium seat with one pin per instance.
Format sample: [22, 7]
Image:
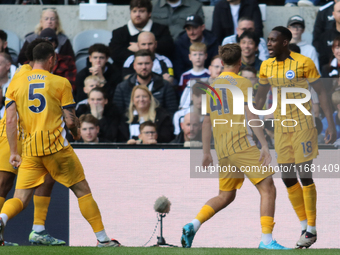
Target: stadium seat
[81, 63]
[14, 45]
[83, 40]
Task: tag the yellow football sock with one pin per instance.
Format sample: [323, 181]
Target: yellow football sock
[40, 209]
[309, 195]
[89, 209]
[2, 201]
[205, 214]
[267, 224]
[12, 207]
[295, 196]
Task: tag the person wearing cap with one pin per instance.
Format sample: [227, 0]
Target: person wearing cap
[324, 21]
[296, 25]
[124, 39]
[49, 19]
[324, 48]
[228, 12]
[173, 13]
[194, 32]
[65, 65]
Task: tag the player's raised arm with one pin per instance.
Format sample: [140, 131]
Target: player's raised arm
[261, 96]
[325, 103]
[260, 135]
[11, 130]
[72, 122]
[206, 138]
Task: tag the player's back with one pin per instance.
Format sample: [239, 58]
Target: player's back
[18, 73]
[39, 97]
[231, 131]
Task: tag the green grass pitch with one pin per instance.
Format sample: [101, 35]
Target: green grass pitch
[43, 250]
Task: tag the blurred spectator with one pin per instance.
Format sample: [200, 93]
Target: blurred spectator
[336, 114]
[190, 130]
[90, 82]
[296, 25]
[249, 43]
[161, 64]
[324, 21]
[197, 56]
[194, 95]
[161, 89]
[144, 107]
[89, 129]
[98, 65]
[247, 24]
[2, 104]
[227, 13]
[173, 13]
[325, 46]
[216, 68]
[147, 134]
[4, 48]
[250, 73]
[124, 39]
[195, 32]
[5, 65]
[301, 3]
[294, 47]
[332, 69]
[49, 19]
[99, 106]
[65, 65]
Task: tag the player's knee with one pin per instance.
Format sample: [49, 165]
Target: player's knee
[289, 181]
[306, 181]
[227, 197]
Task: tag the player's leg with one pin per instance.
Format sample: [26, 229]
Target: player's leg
[75, 180]
[305, 145]
[229, 182]
[309, 195]
[41, 199]
[6, 184]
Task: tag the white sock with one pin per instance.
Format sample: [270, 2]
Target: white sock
[310, 229]
[303, 225]
[38, 228]
[4, 218]
[102, 236]
[266, 238]
[196, 224]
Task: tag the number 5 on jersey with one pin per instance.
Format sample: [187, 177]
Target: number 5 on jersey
[32, 96]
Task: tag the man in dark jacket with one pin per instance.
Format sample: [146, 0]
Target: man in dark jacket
[124, 39]
[326, 42]
[98, 65]
[160, 88]
[225, 20]
[324, 21]
[195, 32]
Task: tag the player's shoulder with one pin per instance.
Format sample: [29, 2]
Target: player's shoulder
[301, 58]
[268, 61]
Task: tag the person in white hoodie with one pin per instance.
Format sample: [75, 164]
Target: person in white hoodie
[296, 25]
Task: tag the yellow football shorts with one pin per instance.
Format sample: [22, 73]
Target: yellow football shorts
[296, 147]
[64, 167]
[5, 154]
[240, 164]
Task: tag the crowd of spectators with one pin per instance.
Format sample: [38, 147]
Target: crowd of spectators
[146, 85]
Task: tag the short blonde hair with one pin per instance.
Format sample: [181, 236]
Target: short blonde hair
[198, 46]
[336, 98]
[58, 29]
[153, 105]
[91, 78]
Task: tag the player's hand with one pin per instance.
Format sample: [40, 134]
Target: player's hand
[133, 47]
[265, 156]
[330, 135]
[15, 160]
[207, 160]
